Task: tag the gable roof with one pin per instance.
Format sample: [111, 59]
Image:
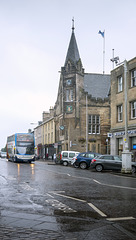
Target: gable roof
[97, 85]
[72, 53]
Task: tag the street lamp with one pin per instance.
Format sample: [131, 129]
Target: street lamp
[86, 123]
[126, 155]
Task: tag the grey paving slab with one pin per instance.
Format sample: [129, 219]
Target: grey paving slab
[50, 219]
[47, 226]
[26, 215]
[24, 223]
[7, 220]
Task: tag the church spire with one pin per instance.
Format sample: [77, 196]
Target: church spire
[72, 53]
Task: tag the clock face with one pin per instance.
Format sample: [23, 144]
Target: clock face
[69, 108]
[68, 81]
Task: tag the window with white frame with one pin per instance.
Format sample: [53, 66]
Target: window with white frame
[133, 78]
[119, 113]
[69, 95]
[120, 84]
[133, 109]
[93, 124]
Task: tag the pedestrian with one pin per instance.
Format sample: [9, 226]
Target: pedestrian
[54, 157]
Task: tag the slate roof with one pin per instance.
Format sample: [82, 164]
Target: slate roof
[72, 53]
[98, 85]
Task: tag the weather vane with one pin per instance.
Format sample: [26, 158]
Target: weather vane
[73, 24]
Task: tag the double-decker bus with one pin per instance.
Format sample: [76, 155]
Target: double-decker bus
[21, 147]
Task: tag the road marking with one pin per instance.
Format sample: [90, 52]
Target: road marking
[65, 208]
[120, 219]
[49, 195]
[61, 195]
[115, 186]
[96, 181]
[97, 210]
[26, 186]
[60, 206]
[90, 179]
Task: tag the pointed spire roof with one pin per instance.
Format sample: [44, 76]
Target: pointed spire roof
[72, 53]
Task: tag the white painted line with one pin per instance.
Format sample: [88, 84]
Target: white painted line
[59, 205]
[68, 174]
[96, 181]
[115, 186]
[49, 195]
[97, 210]
[76, 199]
[56, 191]
[120, 219]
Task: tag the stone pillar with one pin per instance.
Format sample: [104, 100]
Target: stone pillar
[126, 162]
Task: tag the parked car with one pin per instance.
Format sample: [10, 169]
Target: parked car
[3, 154]
[73, 160]
[109, 162]
[67, 156]
[84, 159]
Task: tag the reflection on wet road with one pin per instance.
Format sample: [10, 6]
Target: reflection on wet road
[80, 201]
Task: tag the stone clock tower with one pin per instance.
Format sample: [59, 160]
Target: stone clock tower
[82, 109]
[67, 108]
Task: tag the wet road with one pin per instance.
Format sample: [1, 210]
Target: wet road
[45, 201]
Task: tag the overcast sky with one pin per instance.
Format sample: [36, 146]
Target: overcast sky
[34, 38]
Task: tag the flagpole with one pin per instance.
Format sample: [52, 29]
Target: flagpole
[104, 53]
[103, 35]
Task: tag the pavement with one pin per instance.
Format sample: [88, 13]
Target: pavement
[15, 226]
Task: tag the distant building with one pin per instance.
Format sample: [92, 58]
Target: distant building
[118, 108]
[45, 136]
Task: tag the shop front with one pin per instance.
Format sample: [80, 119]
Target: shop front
[117, 140]
[49, 151]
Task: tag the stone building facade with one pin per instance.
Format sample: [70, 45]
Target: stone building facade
[118, 107]
[45, 136]
[82, 108]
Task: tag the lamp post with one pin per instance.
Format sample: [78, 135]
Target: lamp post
[126, 155]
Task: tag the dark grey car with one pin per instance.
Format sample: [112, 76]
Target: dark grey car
[109, 162]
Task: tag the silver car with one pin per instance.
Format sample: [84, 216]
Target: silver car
[109, 162]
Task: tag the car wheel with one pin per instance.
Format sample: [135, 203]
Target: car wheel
[133, 169]
[75, 166]
[65, 163]
[99, 168]
[83, 165]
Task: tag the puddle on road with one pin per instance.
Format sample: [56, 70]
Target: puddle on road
[80, 221]
[88, 215]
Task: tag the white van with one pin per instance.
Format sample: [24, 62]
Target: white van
[67, 156]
